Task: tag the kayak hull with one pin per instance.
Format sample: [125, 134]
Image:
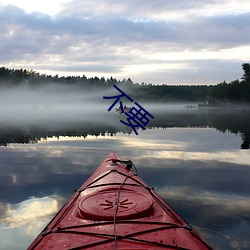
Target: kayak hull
[116, 209]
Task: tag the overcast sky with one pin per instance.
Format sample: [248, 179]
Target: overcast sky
[157, 41]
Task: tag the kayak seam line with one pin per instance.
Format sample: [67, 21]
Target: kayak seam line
[53, 227]
[166, 208]
[44, 233]
[62, 230]
[173, 212]
[99, 178]
[81, 190]
[128, 237]
[114, 170]
[120, 222]
[110, 184]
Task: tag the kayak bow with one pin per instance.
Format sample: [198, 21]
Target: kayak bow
[116, 209]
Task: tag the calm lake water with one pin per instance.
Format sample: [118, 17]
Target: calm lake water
[197, 160]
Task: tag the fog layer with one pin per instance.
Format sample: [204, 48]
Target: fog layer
[53, 102]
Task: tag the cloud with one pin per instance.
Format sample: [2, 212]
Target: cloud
[229, 204]
[148, 10]
[26, 220]
[125, 39]
[29, 210]
[115, 30]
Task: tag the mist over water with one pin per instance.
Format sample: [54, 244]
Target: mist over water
[61, 104]
[192, 157]
[54, 102]
[57, 109]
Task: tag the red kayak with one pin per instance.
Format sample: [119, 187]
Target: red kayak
[116, 209]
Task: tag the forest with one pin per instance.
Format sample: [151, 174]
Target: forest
[224, 93]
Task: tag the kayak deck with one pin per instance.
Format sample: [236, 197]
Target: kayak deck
[116, 209]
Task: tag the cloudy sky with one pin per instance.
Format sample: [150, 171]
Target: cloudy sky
[157, 41]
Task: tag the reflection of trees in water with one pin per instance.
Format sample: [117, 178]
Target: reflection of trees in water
[34, 134]
[8, 137]
[222, 120]
[246, 141]
[233, 121]
[237, 123]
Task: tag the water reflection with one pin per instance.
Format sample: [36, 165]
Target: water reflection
[105, 123]
[20, 222]
[29, 210]
[195, 164]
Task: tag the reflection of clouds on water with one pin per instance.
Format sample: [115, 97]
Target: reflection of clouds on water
[225, 215]
[22, 222]
[183, 139]
[232, 204]
[72, 156]
[74, 116]
[197, 170]
[28, 212]
[236, 157]
[150, 144]
[229, 239]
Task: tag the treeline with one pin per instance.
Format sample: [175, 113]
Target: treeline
[236, 122]
[237, 91]
[234, 92]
